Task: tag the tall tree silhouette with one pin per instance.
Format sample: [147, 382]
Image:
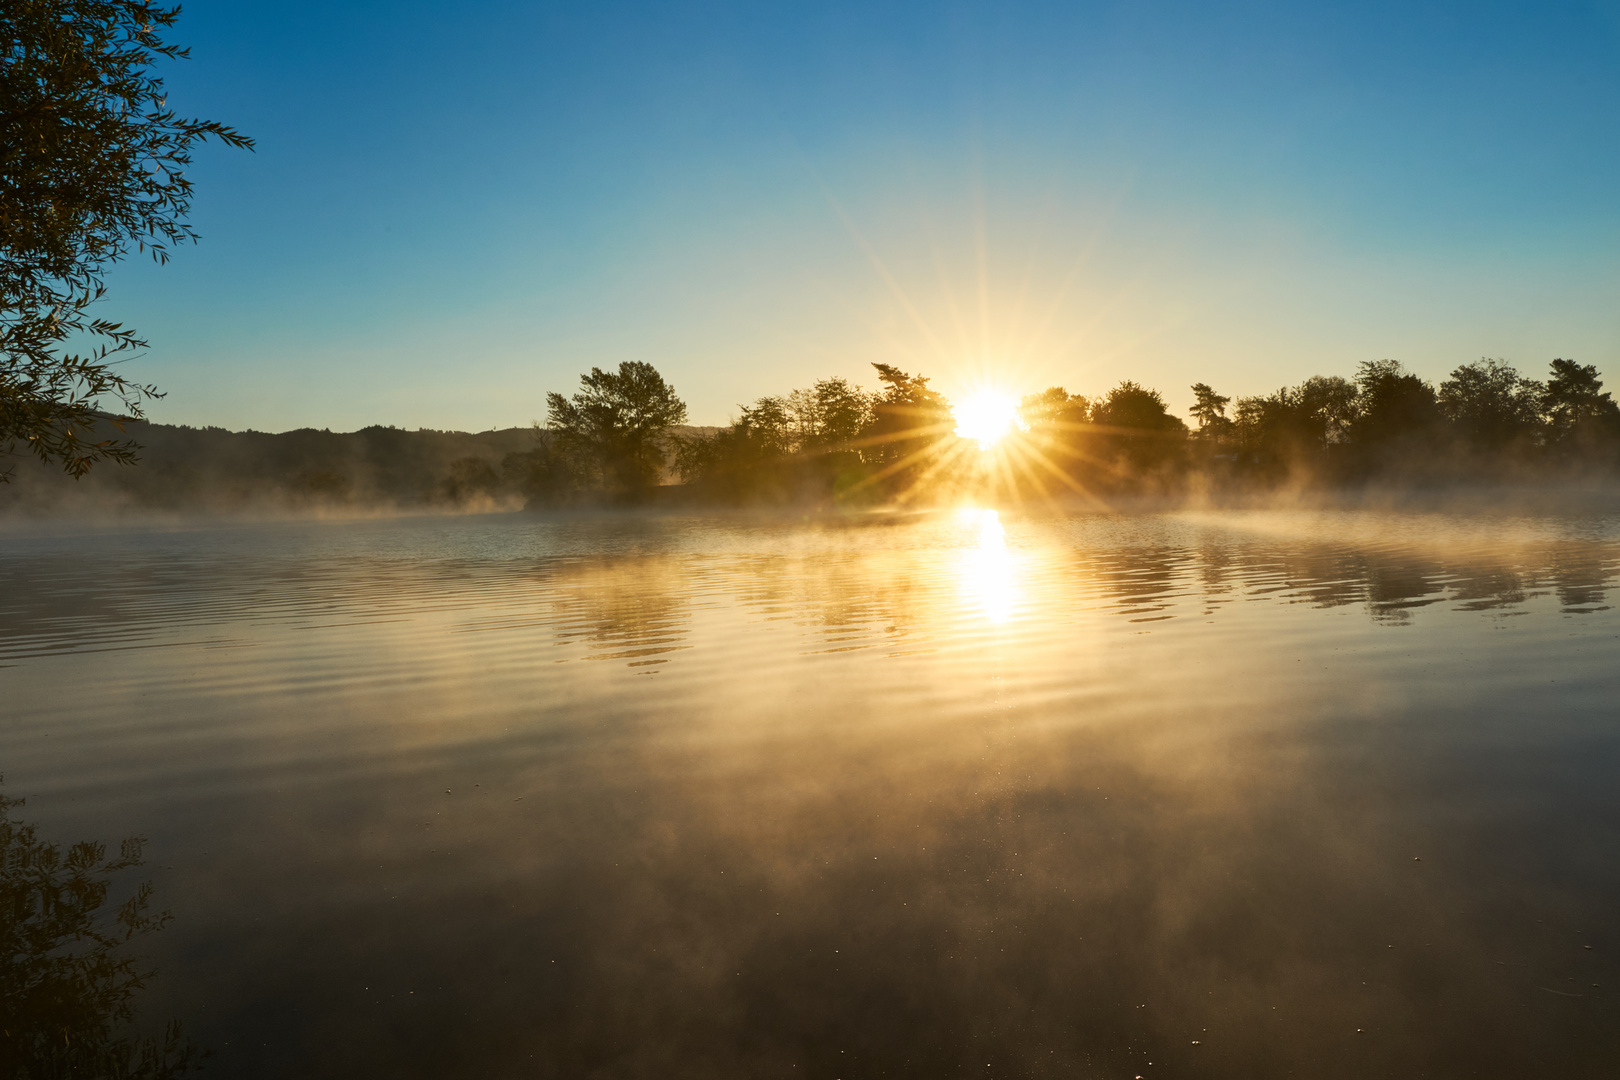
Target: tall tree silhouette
[1581, 415]
[1209, 409]
[907, 416]
[618, 424]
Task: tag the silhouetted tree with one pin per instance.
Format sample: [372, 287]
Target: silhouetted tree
[92, 164]
[1270, 430]
[1209, 408]
[1275, 433]
[1398, 418]
[1581, 416]
[907, 418]
[829, 415]
[1292, 429]
[1138, 428]
[748, 460]
[1057, 431]
[618, 424]
[770, 426]
[543, 475]
[1491, 406]
[911, 428]
[1330, 404]
[1054, 409]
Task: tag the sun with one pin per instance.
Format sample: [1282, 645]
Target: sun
[985, 416]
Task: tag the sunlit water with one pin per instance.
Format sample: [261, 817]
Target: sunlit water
[1238, 795]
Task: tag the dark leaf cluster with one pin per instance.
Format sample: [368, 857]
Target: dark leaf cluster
[92, 167]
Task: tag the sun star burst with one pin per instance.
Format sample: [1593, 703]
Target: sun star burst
[986, 417]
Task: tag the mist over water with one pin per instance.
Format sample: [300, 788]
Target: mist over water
[1224, 794]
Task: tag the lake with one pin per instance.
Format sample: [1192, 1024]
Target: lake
[1230, 794]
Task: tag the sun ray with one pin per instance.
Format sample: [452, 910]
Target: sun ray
[1039, 458]
[1002, 473]
[947, 456]
[981, 245]
[1018, 460]
[1090, 459]
[952, 303]
[897, 436]
[896, 466]
[883, 271]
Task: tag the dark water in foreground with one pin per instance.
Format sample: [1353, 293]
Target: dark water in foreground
[1237, 795]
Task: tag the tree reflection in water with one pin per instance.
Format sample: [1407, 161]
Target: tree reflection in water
[67, 982]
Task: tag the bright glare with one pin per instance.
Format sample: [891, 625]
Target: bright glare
[986, 417]
[987, 568]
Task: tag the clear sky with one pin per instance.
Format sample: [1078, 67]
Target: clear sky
[457, 207]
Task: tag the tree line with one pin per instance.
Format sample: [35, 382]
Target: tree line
[836, 441]
[621, 440]
[1485, 421]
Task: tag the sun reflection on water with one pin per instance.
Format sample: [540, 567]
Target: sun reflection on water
[988, 582]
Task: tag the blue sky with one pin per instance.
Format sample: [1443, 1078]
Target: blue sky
[455, 208]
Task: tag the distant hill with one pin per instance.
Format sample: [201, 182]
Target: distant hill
[211, 469]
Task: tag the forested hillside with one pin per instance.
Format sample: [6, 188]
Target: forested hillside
[211, 469]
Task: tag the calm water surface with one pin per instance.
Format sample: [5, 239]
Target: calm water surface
[1226, 795]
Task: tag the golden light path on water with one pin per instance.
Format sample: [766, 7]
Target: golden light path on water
[988, 567]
